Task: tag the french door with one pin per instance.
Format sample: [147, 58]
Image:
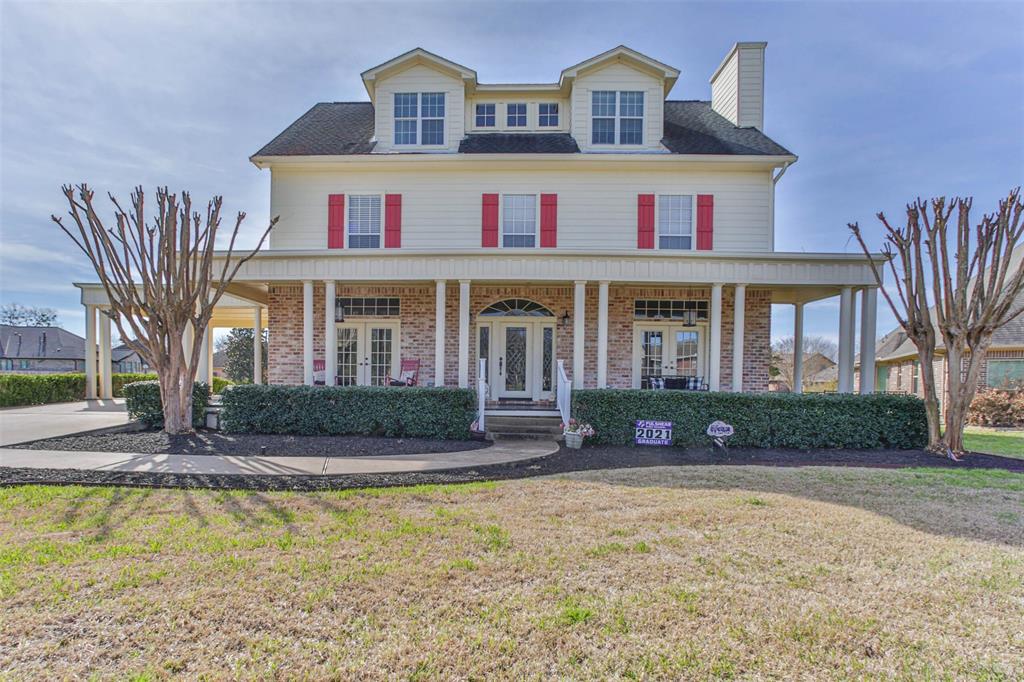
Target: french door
[368, 353]
[521, 361]
[667, 350]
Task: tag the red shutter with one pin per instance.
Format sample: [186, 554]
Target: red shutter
[705, 221]
[489, 221]
[549, 220]
[392, 221]
[645, 221]
[336, 221]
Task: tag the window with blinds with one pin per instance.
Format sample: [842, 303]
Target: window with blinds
[364, 221]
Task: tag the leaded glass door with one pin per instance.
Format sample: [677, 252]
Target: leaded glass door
[515, 360]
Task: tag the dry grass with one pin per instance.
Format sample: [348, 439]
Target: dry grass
[692, 573]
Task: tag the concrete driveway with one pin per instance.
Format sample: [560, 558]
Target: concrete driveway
[19, 424]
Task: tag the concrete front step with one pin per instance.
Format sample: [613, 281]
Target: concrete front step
[516, 422]
[505, 435]
[537, 428]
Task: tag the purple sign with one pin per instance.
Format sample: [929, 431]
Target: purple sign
[653, 432]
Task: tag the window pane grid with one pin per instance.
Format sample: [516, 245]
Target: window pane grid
[675, 221]
[485, 117]
[614, 111]
[364, 222]
[516, 115]
[519, 222]
[406, 106]
[548, 115]
[687, 311]
[366, 307]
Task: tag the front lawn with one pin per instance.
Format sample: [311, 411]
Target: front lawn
[666, 572]
[1007, 442]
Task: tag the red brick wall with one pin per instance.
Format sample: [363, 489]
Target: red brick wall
[417, 322]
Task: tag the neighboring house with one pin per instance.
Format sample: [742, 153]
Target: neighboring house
[50, 350]
[898, 369]
[590, 221]
[820, 374]
[220, 363]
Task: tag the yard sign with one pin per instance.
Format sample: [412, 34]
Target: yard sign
[653, 432]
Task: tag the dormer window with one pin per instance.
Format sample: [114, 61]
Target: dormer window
[548, 115]
[516, 115]
[617, 117]
[485, 117]
[419, 116]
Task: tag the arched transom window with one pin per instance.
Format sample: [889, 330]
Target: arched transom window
[516, 307]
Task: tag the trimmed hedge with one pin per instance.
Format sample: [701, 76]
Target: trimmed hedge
[142, 399]
[40, 389]
[761, 420]
[414, 412]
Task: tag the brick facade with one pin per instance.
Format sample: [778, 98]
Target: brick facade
[417, 327]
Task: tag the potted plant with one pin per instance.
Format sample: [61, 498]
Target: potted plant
[575, 432]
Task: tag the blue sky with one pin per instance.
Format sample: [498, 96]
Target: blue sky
[881, 101]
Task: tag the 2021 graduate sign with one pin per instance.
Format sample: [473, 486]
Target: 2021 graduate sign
[653, 432]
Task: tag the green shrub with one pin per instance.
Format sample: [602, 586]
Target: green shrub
[762, 420]
[220, 383]
[416, 412]
[142, 399]
[119, 381]
[39, 389]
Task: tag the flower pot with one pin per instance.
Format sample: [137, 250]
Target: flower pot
[573, 440]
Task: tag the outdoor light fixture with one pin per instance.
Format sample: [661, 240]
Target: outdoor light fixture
[564, 319]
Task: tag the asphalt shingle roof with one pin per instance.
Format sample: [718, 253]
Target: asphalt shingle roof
[40, 343]
[346, 128]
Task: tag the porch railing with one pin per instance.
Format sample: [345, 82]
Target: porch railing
[481, 395]
[564, 395]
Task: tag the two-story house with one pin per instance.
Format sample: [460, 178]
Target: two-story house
[504, 227]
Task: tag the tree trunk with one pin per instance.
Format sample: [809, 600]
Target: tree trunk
[963, 386]
[931, 401]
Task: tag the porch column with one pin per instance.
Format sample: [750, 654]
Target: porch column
[715, 339]
[106, 382]
[463, 333]
[602, 335]
[439, 299]
[257, 346]
[578, 330]
[737, 338]
[203, 369]
[330, 336]
[307, 332]
[845, 339]
[868, 320]
[798, 348]
[90, 352]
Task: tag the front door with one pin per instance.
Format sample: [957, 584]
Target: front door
[515, 360]
[368, 353]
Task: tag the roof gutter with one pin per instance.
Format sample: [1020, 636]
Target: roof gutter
[782, 171]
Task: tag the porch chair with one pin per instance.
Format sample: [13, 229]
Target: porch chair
[408, 374]
[670, 383]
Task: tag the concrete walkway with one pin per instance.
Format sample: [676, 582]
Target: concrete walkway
[500, 452]
[20, 424]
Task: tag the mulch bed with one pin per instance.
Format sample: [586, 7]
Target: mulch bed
[205, 442]
[563, 461]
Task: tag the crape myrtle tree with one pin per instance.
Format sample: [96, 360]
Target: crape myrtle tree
[958, 282]
[162, 279]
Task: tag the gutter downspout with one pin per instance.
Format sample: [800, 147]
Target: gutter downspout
[782, 171]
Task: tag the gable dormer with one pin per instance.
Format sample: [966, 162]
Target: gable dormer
[419, 102]
[618, 101]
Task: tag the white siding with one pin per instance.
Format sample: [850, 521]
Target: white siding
[532, 109]
[596, 208]
[419, 79]
[751, 87]
[618, 77]
[725, 91]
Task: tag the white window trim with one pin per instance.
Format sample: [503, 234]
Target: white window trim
[617, 117]
[419, 121]
[528, 117]
[554, 127]
[383, 211]
[536, 221]
[693, 221]
[497, 118]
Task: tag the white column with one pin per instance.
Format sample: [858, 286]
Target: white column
[330, 336]
[737, 338]
[602, 335]
[106, 381]
[868, 320]
[845, 338]
[463, 333]
[90, 352]
[578, 330]
[439, 324]
[798, 348]
[203, 369]
[257, 345]
[307, 332]
[852, 342]
[715, 339]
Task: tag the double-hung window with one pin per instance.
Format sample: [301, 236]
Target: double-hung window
[675, 221]
[617, 117]
[419, 118]
[485, 116]
[519, 221]
[364, 221]
[548, 115]
[516, 115]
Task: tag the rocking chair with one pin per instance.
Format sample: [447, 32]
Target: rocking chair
[408, 374]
